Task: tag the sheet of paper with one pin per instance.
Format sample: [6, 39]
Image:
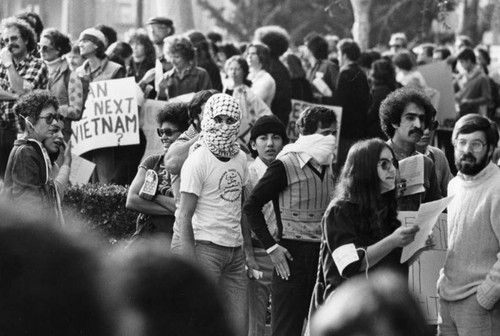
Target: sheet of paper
[412, 170]
[426, 218]
[81, 170]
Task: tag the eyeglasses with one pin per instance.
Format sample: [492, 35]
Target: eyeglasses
[386, 164]
[45, 48]
[50, 118]
[396, 46]
[167, 131]
[476, 146]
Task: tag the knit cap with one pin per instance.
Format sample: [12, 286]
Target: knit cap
[268, 124]
[93, 35]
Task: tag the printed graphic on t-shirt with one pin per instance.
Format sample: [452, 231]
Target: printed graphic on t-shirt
[230, 185]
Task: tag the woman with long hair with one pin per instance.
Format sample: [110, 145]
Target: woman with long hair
[360, 224]
[263, 85]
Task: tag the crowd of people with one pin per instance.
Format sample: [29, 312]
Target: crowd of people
[232, 218]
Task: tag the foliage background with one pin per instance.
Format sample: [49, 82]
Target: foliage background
[414, 17]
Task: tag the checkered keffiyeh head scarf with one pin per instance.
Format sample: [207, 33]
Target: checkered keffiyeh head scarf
[221, 138]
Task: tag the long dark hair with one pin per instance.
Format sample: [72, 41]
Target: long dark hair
[359, 183]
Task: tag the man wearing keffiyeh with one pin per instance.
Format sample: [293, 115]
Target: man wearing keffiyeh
[213, 180]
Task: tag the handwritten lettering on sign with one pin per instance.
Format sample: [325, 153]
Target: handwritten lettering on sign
[110, 117]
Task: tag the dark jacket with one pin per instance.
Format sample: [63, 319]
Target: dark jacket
[281, 105]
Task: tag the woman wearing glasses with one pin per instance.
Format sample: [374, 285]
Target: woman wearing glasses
[52, 46]
[29, 180]
[151, 190]
[360, 230]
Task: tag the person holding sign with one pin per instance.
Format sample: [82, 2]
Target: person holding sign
[469, 282]
[96, 68]
[151, 190]
[360, 229]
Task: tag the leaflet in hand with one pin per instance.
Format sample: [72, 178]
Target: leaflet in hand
[425, 218]
[412, 170]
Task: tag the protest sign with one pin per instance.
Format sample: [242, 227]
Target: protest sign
[81, 170]
[110, 117]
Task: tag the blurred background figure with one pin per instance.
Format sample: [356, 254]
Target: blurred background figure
[52, 46]
[301, 87]
[74, 58]
[263, 85]
[143, 56]
[204, 57]
[323, 74]
[382, 82]
[163, 294]
[51, 282]
[252, 107]
[119, 52]
[185, 77]
[379, 306]
[276, 38]
[425, 53]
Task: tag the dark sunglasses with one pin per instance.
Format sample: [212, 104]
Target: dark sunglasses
[50, 118]
[44, 48]
[385, 164]
[433, 125]
[167, 131]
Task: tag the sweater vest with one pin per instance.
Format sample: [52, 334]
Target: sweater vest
[304, 201]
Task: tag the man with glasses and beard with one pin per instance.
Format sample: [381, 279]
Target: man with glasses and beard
[469, 282]
[404, 115]
[20, 72]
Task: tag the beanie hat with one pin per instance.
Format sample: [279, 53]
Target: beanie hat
[268, 124]
[95, 36]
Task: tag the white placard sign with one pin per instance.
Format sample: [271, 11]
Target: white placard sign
[110, 117]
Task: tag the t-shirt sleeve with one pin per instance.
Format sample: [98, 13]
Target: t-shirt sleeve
[149, 162]
[192, 173]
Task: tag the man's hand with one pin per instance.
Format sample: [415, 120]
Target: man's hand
[278, 257]
[251, 266]
[5, 56]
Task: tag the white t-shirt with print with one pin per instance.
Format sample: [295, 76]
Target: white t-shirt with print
[218, 185]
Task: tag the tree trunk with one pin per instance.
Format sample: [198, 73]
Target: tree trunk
[361, 27]
[495, 23]
[469, 20]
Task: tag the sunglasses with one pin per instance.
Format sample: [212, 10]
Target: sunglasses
[434, 125]
[45, 48]
[50, 118]
[165, 131]
[386, 164]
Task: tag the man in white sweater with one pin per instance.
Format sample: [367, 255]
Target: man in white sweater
[469, 283]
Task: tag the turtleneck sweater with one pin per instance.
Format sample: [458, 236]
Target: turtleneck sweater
[472, 264]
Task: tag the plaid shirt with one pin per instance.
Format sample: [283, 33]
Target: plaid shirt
[35, 74]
